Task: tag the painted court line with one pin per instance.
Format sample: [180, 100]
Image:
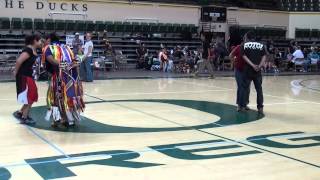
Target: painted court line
[83, 158]
[55, 147]
[266, 94]
[148, 150]
[155, 93]
[306, 87]
[222, 137]
[146, 93]
[285, 103]
[203, 85]
[52, 145]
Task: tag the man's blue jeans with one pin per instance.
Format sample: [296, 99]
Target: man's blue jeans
[239, 75]
[86, 70]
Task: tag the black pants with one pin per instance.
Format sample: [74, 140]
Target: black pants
[256, 78]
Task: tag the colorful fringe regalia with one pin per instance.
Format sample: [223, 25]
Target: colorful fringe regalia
[65, 93]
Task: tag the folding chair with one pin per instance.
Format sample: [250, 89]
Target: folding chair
[298, 64]
[121, 59]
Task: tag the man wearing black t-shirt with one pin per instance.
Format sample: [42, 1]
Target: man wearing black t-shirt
[254, 53]
[205, 57]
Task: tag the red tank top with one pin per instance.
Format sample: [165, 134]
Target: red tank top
[238, 60]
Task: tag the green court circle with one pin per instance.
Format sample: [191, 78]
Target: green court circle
[227, 113]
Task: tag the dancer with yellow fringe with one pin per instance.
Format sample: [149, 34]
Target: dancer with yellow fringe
[65, 92]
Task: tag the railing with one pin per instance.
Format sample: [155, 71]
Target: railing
[148, 20]
[83, 15]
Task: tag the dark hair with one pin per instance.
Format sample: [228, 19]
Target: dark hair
[31, 38]
[250, 35]
[53, 37]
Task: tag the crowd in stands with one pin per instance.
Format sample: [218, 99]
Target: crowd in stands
[184, 60]
[293, 58]
[179, 59]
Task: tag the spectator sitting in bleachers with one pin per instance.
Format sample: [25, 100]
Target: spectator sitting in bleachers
[178, 55]
[305, 52]
[178, 58]
[313, 58]
[110, 54]
[108, 49]
[77, 44]
[277, 58]
[164, 60]
[142, 54]
[297, 58]
[190, 60]
[270, 62]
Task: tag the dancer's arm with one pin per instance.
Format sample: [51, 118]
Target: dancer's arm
[22, 58]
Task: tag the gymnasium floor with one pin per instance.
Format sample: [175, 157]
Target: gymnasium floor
[165, 129]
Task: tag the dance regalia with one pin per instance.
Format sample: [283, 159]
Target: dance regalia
[65, 93]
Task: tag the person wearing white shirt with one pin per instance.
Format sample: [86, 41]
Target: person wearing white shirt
[86, 69]
[298, 57]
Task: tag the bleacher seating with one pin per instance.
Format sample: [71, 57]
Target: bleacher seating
[305, 34]
[270, 33]
[38, 24]
[50, 25]
[5, 23]
[27, 24]
[120, 34]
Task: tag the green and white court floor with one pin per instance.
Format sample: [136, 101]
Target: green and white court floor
[159, 129]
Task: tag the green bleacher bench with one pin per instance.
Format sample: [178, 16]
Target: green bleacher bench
[4, 23]
[59, 25]
[262, 32]
[154, 27]
[110, 26]
[283, 34]
[90, 26]
[127, 27]
[136, 27]
[268, 33]
[279, 33]
[16, 23]
[145, 27]
[244, 30]
[314, 33]
[49, 25]
[193, 28]
[176, 28]
[27, 24]
[306, 33]
[118, 26]
[184, 28]
[80, 26]
[163, 28]
[70, 25]
[170, 27]
[100, 26]
[275, 33]
[299, 33]
[38, 24]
